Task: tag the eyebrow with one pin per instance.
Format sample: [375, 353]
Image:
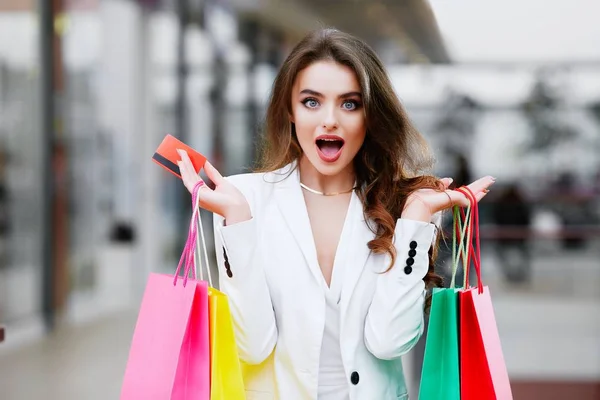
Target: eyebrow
[341, 96]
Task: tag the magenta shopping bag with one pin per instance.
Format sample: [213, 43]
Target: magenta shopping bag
[169, 358]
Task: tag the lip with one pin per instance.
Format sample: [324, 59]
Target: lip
[334, 157]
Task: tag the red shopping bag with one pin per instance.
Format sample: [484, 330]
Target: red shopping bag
[483, 374]
[169, 356]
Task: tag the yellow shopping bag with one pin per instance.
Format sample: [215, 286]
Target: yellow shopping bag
[226, 382]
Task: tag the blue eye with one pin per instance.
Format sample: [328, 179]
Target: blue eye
[350, 105]
[310, 103]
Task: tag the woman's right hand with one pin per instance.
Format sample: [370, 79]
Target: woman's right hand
[225, 200]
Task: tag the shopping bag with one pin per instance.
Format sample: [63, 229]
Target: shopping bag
[482, 366]
[440, 375]
[226, 382]
[440, 378]
[169, 356]
[226, 370]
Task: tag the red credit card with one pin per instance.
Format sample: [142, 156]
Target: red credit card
[166, 155]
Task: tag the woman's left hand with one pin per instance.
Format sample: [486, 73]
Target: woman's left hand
[423, 203]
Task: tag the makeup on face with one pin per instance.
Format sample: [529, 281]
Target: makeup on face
[328, 116]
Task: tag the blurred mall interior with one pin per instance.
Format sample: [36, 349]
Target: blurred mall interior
[88, 89]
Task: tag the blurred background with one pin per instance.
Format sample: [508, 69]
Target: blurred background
[88, 89]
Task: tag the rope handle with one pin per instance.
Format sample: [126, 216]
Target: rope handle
[189, 257]
[474, 250]
[458, 233]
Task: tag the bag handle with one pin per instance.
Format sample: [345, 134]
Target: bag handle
[466, 238]
[199, 239]
[458, 233]
[188, 257]
[474, 251]
[184, 260]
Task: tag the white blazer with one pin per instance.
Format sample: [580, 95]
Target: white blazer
[268, 268]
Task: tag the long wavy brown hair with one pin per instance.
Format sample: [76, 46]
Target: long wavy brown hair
[394, 159]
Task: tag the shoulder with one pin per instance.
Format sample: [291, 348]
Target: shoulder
[246, 181]
[258, 185]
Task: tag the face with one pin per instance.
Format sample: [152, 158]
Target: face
[329, 116]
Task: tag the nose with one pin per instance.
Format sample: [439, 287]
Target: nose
[330, 120]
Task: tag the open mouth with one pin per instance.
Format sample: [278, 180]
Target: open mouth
[330, 147]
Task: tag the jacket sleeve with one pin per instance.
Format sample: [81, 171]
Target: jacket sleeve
[242, 279]
[394, 320]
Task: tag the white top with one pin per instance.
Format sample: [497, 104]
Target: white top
[333, 379]
[333, 383]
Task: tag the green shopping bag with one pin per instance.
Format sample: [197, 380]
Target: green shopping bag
[440, 376]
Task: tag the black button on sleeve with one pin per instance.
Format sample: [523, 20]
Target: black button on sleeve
[412, 252]
[413, 245]
[410, 261]
[407, 270]
[354, 378]
[227, 266]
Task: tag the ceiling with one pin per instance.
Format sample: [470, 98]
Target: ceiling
[405, 31]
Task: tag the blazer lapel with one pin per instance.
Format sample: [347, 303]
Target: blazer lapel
[358, 253]
[290, 200]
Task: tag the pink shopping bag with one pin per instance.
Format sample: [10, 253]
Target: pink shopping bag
[169, 358]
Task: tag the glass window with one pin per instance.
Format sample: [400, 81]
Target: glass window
[20, 163]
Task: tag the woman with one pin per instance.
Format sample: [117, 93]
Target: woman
[326, 251]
